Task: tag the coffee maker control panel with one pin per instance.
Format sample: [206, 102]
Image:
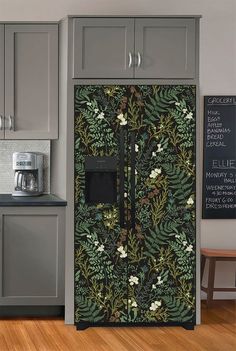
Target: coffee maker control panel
[26, 160]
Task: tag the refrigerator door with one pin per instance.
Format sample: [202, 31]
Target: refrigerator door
[100, 205]
[161, 243]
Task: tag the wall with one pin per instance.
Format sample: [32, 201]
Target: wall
[7, 147]
[217, 66]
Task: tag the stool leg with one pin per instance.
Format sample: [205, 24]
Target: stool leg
[211, 279]
[203, 262]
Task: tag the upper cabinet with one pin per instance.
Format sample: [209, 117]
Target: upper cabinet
[1, 81]
[165, 48]
[103, 48]
[30, 89]
[159, 48]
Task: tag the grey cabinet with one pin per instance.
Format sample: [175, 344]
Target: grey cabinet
[103, 47]
[2, 81]
[165, 48]
[31, 81]
[32, 256]
[161, 48]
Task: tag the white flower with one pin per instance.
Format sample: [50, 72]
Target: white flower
[177, 103]
[133, 280]
[154, 286]
[158, 170]
[155, 173]
[190, 201]
[96, 243]
[88, 103]
[189, 115]
[125, 194]
[134, 304]
[184, 110]
[101, 115]
[96, 110]
[99, 294]
[155, 305]
[123, 254]
[89, 236]
[184, 243]
[100, 248]
[159, 281]
[129, 301]
[136, 147]
[123, 122]
[177, 236]
[189, 248]
[120, 116]
[153, 154]
[159, 148]
[136, 172]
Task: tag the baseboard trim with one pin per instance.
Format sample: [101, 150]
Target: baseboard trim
[32, 311]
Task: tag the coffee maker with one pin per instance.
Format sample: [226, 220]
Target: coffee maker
[28, 173]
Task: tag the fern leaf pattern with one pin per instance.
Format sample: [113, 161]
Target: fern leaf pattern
[146, 274]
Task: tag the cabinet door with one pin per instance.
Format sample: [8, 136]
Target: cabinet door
[165, 48]
[1, 81]
[103, 48]
[32, 256]
[31, 81]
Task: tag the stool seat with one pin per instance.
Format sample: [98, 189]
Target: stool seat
[214, 255]
[218, 253]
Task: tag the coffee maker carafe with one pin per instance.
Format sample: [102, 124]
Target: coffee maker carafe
[28, 173]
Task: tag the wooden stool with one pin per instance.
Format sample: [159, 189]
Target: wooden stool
[214, 255]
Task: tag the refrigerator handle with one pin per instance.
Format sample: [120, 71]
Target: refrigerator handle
[122, 178]
[132, 179]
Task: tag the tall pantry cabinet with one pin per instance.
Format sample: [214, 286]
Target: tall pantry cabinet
[132, 86]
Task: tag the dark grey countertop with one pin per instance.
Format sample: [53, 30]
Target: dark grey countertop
[42, 200]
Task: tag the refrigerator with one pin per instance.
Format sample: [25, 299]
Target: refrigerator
[134, 205]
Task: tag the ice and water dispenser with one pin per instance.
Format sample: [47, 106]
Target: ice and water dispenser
[100, 179]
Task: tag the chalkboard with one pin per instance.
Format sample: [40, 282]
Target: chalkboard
[219, 177]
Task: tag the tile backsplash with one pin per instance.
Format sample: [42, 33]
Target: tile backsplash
[7, 147]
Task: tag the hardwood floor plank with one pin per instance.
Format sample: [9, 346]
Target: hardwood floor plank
[216, 333]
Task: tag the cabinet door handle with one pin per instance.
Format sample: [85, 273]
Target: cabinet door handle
[130, 60]
[1, 122]
[139, 59]
[11, 123]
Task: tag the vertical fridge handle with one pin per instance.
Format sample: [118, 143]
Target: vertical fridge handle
[132, 179]
[122, 178]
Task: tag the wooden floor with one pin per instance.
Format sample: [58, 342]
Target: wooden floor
[217, 333]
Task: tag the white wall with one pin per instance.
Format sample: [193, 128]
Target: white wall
[217, 66]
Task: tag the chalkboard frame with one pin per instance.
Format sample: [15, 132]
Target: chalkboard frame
[227, 100]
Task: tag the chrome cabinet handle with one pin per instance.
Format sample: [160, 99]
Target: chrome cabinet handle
[1, 122]
[139, 59]
[11, 123]
[130, 60]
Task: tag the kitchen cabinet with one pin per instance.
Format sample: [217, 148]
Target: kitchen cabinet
[134, 48]
[32, 256]
[29, 103]
[1, 81]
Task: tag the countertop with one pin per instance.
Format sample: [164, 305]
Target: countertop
[42, 200]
